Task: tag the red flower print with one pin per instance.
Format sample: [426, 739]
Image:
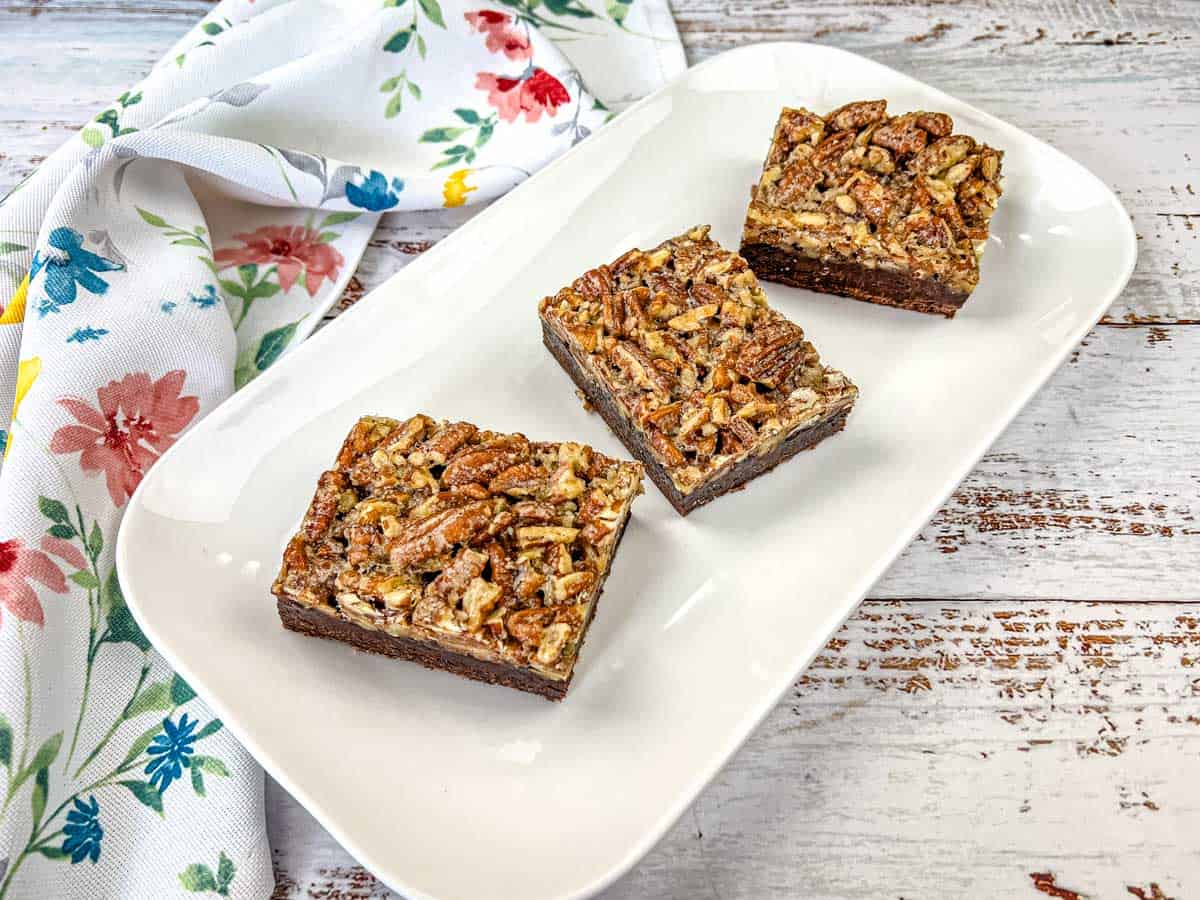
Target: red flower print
[18, 566]
[539, 92]
[137, 421]
[64, 550]
[500, 37]
[292, 249]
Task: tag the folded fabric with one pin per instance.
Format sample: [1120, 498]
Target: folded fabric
[178, 246]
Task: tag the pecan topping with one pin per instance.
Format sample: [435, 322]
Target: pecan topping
[900, 192]
[488, 543]
[714, 355]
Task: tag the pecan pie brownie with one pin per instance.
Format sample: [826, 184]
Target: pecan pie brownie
[466, 550]
[889, 209]
[678, 350]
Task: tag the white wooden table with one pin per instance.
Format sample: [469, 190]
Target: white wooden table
[1017, 712]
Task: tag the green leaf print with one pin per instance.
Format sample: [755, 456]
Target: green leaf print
[123, 629]
[273, 343]
[41, 790]
[142, 742]
[338, 218]
[433, 12]
[618, 10]
[6, 742]
[153, 698]
[225, 872]
[152, 219]
[86, 580]
[200, 878]
[53, 510]
[398, 42]
[45, 756]
[181, 691]
[441, 135]
[146, 793]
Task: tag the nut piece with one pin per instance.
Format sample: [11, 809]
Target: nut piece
[554, 639]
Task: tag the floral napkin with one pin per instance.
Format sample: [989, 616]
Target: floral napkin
[189, 235]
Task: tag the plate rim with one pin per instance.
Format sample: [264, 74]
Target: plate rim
[769, 699]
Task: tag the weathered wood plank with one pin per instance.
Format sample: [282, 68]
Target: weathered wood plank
[1114, 85]
[933, 749]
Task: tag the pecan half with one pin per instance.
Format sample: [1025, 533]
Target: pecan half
[773, 352]
[425, 538]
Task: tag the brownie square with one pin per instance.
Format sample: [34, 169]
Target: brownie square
[480, 553]
[889, 209]
[702, 381]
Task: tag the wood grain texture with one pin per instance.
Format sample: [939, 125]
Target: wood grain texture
[937, 748]
[933, 750]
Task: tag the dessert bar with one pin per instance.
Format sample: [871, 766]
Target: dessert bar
[678, 350]
[889, 209]
[466, 550]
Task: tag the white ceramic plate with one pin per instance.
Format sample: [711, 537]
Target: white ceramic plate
[451, 789]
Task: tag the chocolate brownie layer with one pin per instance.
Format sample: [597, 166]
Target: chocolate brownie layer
[883, 286]
[318, 624]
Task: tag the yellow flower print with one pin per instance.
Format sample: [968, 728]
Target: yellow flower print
[27, 372]
[15, 311]
[456, 188]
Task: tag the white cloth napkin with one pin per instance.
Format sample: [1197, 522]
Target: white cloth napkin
[182, 242]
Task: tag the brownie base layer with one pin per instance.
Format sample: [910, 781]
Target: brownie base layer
[733, 477]
[886, 287]
[432, 656]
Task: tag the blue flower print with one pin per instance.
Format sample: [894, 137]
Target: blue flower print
[207, 298]
[168, 306]
[374, 193]
[170, 751]
[81, 335]
[83, 831]
[3, 442]
[66, 264]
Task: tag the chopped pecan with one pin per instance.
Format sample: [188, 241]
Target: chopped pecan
[903, 135]
[439, 448]
[453, 580]
[633, 362]
[772, 353]
[936, 123]
[425, 538]
[526, 625]
[795, 184]
[942, 154]
[858, 114]
[873, 200]
[366, 435]
[535, 535]
[521, 480]
[324, 506]
[483, 464]
[595, 283]
[666, 450]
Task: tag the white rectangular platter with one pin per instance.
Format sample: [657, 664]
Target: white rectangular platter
[451, 789]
